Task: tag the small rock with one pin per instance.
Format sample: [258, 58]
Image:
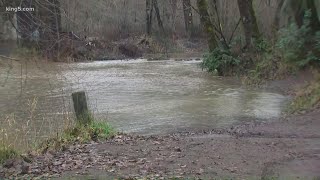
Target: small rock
[177, 149]
[25, 169]
[9, 163]
[201, 171]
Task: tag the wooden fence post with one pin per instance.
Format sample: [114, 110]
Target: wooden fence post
[81, 108]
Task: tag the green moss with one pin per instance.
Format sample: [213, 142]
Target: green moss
[208, 25]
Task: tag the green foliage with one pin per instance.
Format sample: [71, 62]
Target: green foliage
[80, 133]
[262, 45]
[300, 45]
[101, 130]
[6, 153]
[220, 60]
[317, 39]
[268, 67]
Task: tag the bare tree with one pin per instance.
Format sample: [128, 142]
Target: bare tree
[188, 18]
[173, 16]
[150, 5]
[156, 8]
[149, 9]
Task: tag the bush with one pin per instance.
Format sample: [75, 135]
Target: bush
[300, 45]
[220, 60]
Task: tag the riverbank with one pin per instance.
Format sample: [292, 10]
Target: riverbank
[136, 47]
[288, 147]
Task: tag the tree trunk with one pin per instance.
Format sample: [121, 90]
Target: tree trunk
[296, 10]
[314, 20]
[58, 25]
[206, 21]
[174, 17]
[156, 8]
[276, 21]
[149, 8]
[254, 22]
[188, 18]
[249, 21]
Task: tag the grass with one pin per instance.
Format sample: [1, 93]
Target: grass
[26, 53]
[95, 131]
[6, 153]
[15, 136]
[307, 98]
[268, 66]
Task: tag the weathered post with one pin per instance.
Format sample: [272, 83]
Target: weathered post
[81, 108]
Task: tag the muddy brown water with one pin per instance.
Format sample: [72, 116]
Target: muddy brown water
[138, 96]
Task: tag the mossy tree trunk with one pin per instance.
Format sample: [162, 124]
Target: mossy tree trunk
[208, 25]
[188, 17]
[249, 21]
[149, 9]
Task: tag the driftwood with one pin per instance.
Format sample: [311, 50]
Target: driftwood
[6, 57]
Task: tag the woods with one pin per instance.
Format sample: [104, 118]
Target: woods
[58, 30]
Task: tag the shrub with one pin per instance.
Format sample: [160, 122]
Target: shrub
[220, 60]
[262, 45]
[300, 45]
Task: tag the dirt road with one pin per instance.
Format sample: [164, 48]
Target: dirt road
[286, 149]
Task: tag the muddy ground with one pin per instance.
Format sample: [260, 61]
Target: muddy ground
[288, 148]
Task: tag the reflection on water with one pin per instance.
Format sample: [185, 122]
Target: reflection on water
[134, 96]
